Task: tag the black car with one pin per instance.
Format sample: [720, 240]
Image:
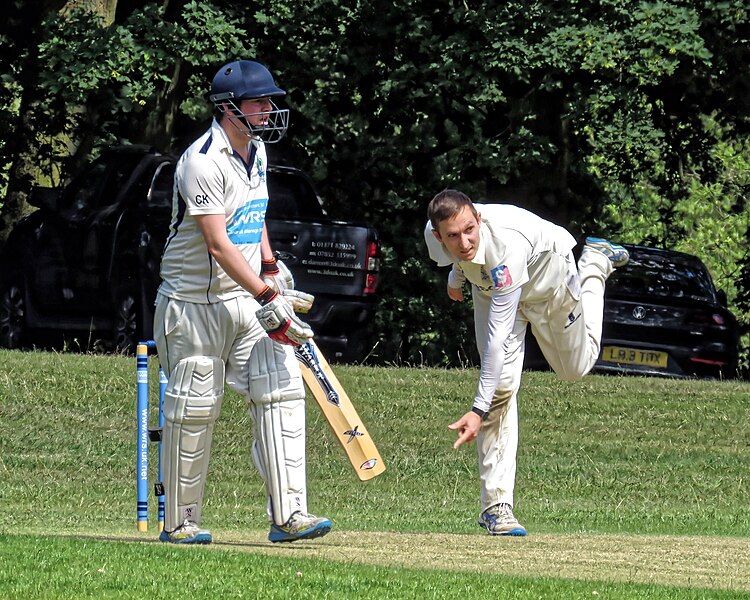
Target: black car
[663, 316]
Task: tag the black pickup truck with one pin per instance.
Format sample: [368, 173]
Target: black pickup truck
[86, 263]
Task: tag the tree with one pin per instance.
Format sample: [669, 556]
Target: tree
[88, 83]
[569, 109]
[537, 103]
[19, 32]
[712, 220]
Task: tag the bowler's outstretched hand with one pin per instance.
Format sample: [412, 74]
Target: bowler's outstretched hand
[456, 281]
[468, 428]
[455, 294]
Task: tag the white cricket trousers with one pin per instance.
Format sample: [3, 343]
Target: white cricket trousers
[568, 328]
[230, 330]
[227, 329]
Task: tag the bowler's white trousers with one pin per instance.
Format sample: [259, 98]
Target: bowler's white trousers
[568, 328]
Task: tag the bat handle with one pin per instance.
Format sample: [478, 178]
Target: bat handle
[306, 355]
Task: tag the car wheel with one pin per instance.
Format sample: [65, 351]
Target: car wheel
[125, 326]
[12, 317]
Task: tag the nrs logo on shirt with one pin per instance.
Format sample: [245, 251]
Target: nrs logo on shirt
[246, 226]
[501, 277]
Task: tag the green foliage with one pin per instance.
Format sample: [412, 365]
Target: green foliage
[711, 221]
[106, 79]
[605, 115]
[555, 107]
[9, 101]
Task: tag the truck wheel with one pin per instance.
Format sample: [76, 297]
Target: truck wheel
[125, 325]
[12, 316]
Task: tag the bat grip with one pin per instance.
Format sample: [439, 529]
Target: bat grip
[306, 355]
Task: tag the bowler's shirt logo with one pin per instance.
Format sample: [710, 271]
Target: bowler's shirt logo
[501, 277]
[246, 226]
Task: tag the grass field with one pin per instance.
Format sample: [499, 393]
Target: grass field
[629, 487]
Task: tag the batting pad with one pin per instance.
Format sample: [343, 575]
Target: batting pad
[192, 402]
[277, 406]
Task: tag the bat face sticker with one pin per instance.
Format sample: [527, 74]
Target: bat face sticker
[369, 464]
[352, 433]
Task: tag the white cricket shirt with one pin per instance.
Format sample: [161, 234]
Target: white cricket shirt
[513, 247]
[211, 179]
[512, 265]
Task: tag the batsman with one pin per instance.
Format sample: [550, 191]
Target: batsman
[225, 311]
[522, 272]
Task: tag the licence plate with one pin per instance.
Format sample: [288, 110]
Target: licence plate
[633, 356]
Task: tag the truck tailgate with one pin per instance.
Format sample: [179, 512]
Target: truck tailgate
[329, 257]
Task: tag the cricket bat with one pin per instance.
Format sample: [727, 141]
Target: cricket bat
[339, 412]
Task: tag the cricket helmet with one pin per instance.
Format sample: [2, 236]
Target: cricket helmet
[246, 79]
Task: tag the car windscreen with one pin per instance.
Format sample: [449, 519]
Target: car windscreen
[161, 187]
[291, 196]
[661, 276]
[98, 187]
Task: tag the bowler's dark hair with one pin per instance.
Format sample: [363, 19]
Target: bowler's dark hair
[447, 204]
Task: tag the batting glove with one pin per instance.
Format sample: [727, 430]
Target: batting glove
[276, 275]
[276, 316]
[300, 301]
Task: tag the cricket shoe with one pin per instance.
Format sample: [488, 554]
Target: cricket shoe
[499, 520]
[300, 527]
[187, 533]
[617, 255]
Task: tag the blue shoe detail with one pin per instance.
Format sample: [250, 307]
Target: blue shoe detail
[616, 254]
[300, 527]
[499, 520]
[187, 533]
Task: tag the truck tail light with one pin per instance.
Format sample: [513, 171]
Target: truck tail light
[372, 262]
